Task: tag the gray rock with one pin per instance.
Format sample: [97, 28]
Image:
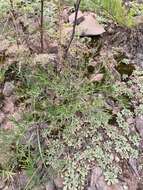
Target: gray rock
[80, 17]
[90, 26]
[87, 25]
[8, 89]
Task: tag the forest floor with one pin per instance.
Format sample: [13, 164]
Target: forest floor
[74, 125]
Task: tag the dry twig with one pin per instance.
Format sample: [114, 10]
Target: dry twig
[77, 5]
[41, 26]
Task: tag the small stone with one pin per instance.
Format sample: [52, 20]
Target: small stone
[2, 117]
[8, 89]
[96, 78]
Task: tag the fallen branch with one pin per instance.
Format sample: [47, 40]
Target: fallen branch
[77, 5]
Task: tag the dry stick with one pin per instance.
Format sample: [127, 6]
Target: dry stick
[77, 5]
[41, 26]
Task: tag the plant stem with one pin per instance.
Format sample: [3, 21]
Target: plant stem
[77, 5]
[41, 26]
[60, 31]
